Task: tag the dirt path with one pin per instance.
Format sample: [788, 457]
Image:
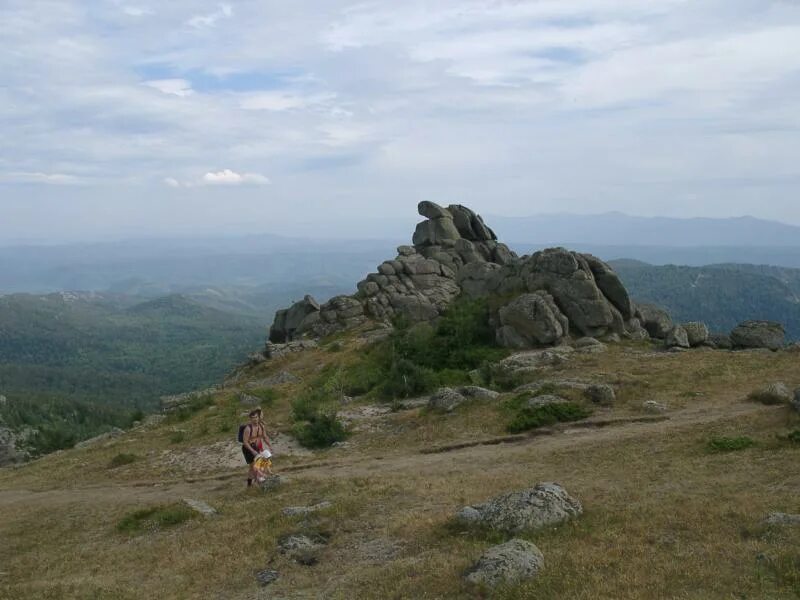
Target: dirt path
[389, 465]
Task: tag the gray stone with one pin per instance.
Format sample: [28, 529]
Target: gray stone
[445, 399]
[435, 231]
[477, 393]
[302, 548]
[534, 359]
[200, 507]
[600, 393]
[586, 342]
[758, 334]
[652, 406]
[267, 576]
[292, 511]
[468, 516]
[676, 338]
[512, 562]
[696, 333]
[721, 341]
[248, 400]
[611, 286]
[534, 318]
[431, 210]
[779, 518]
[542, 505]
[774, 393]
[406, 250]
[654, 319]
[287, 322]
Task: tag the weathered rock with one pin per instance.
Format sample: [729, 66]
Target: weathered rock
[200, 507]
[248, 400]
[696, 333]
[534, 360]
[470, 225]
[302, 548]
[779, 518]
[774, 393]
[721, 341]
[611, 286]
[435, 231]
[445, 399]
[532, 318]
[758, 334]
[431, 210]
[508, 563]
[476, 392]
[287, 322]
[272, 350]
[12, 446]
[267, 576]
[654, 319]
[600, 393]
[542, 505]
[292, 511]
[676, 338]
[652, 406]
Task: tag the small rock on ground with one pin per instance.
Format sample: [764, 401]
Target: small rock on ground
[291, 511]
[514, 561]
[266, 576]
[778, 518]
[200, 507]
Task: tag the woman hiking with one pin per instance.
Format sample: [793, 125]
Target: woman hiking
[254, 438]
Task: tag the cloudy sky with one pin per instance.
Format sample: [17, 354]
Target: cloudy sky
[126, 117]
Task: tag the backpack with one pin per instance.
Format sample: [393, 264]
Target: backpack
[240, 435]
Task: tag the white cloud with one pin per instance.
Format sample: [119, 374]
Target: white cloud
[225, 11]
[137, 11]
[48, 178]
[225, 177]
[176, 87]
[282, 100]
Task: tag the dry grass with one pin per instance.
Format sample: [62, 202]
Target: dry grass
[664, 517]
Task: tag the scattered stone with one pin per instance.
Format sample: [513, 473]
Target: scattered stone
[676, 338]
[544, 400]
[477, 393]
[266, 576]
[534, 360]
[273, 350]
[779, 518]
[542, 505]
[512, 562]
[271, 483]
[721, 341]
[654, 319]
[292, 511]
[774, 393]
[600, 393]
[302, 548]
[445, 399]
[248, 400]
[200, 507]
[468, 516]
[652, 406]
[758, 334]
[696, 333]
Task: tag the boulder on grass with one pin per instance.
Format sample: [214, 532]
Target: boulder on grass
[542, 505]
[654, 319]
[774, 393]
[696, 332]
[512, 562]
[445, 399]
[758, 334]
[676, 338]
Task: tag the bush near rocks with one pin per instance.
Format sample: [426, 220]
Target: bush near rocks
[511, 562]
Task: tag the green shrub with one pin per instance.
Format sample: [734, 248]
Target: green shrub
[193, 406]
[794, 436]
[320, 431]
[406, 378]
[267, 396]
[154, 518]
[177, 436]
[335, 347]
[729, 444]
[122, 459]
[548, 414]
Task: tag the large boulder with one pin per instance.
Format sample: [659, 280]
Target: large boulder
[758, 334]
[696, 333]
[611, 285]
[531, 320]
[512, 562]
[542, 505]
[654, 319]
[290, 323]
[676, 338]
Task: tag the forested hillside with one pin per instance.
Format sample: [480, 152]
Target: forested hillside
[720, 295]
[77, 363]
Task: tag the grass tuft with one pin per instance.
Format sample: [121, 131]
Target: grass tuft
[729, 444]
[122, 459]
[548, 414]
[154, 518]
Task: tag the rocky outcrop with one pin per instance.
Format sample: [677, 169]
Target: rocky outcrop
[676, 338]
[553, 294]
[758, 334]
[512, 562]
[696, 333]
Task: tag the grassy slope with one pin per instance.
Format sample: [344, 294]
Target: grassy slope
[663, 516]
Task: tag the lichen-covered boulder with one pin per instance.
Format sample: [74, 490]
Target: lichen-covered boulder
[758, 334]
[511, 562]
[531, 320]
[696, 333]
[676, 338]
[654, 319]
[542, 505]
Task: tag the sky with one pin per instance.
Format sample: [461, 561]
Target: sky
[133, 117]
